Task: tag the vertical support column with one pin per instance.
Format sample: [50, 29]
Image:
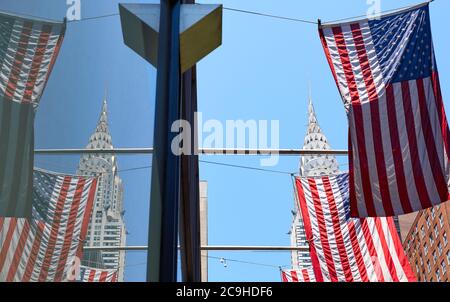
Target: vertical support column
[190, 198]
[165, 192]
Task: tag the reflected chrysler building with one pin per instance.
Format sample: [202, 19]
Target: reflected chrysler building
[106, 227]
[310, 166]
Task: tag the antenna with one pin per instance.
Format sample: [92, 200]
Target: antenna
[309, 91]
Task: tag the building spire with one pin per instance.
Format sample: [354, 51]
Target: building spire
[313, 124]
[102, 125]
[316, 140]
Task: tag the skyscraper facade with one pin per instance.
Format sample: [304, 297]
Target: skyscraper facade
[107, 227]
[310, 166]
[426, 243]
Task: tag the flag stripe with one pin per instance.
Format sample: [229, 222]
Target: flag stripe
[44, 248]
[351, 83]
[19, 250]
[375, 115]
[429, 136]
[345, 249]
[37, 61]
[337, 230]
[87, 214]
[397, 151]
[441, 111]
[18, 60]
[308, 231]
[293, 276]
[386, 252]
[54, 229]
[373, 253]
[91, 276]
[422, 190]
[70, 230]
[402, 258]
[323, 231]
[7, 242]
[31, 261]
[357, 252]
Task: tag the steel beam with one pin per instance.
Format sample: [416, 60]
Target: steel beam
[190, 190]
[165, 192]
[217, 248]
[149, 151]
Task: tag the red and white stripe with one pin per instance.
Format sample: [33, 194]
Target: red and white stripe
[345, 249]
[99, 275]
[298, 276]
[30, 56]
[43, 251]
[398, 132]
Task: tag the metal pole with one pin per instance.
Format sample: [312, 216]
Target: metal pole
[149, 151]
[190, 183]
[165, 192]
[218, 248]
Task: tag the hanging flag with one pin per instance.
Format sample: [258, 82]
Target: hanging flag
[298, 276]
[386, 73]
[48, 247]
[28, 50]
[345, 249]
[88, 274]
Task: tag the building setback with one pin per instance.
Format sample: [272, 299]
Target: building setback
[426, 243]
[107, 227]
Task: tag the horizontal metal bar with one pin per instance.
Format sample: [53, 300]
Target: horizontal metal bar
[149, 151]
[133, 151]
[203, 248]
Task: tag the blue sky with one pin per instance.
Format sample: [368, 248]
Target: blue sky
[261, 72]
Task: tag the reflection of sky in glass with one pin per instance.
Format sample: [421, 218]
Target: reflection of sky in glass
[261, 72]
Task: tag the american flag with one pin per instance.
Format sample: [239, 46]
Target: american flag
[345, 249]
[298, 276]
[28, 50]
[48, 247]
[89, 274]
[386, 73]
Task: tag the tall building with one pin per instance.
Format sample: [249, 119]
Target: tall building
[314, 165]
[426, 243]
[204, 228]
[107, 227]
